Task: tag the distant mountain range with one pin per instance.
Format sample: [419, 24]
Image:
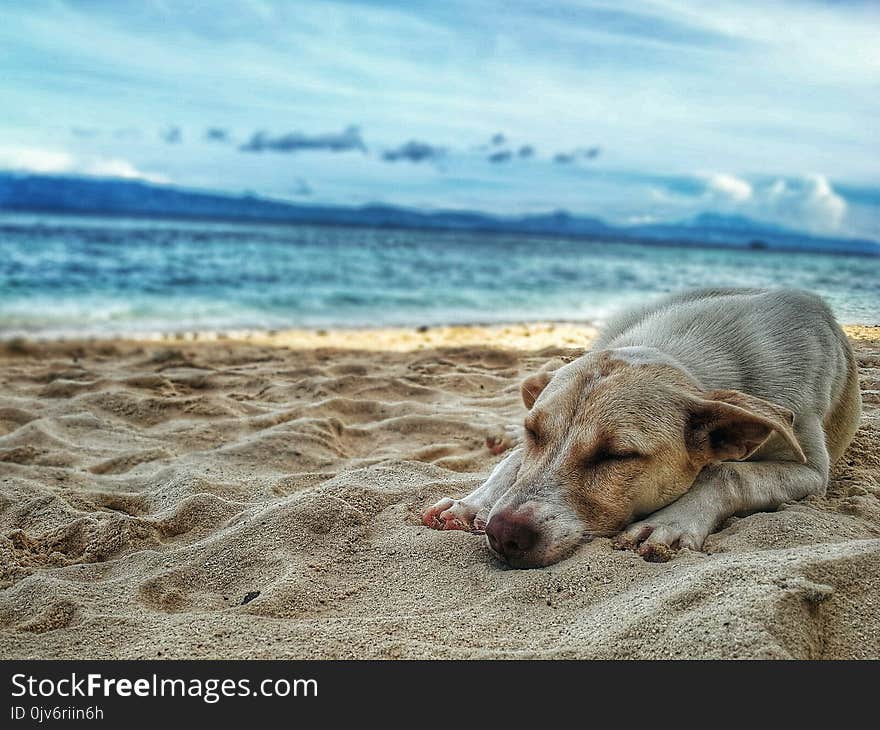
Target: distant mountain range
[84, 195]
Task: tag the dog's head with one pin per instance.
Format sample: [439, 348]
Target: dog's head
[614, 435]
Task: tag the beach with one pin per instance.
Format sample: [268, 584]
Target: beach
[258, 496]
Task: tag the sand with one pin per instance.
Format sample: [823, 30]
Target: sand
[259, 496]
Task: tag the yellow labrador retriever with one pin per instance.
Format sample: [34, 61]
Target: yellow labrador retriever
[704, 405]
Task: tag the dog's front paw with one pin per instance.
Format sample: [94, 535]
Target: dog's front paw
[658, 540]
[454, 514]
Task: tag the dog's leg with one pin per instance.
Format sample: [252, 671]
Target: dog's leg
[721, 491]
[470, 512]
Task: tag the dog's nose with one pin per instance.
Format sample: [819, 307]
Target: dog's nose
[511, 535]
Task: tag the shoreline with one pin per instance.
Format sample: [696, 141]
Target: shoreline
[515, 335]
[512, 335]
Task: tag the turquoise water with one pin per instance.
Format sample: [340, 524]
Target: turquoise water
[69, 276]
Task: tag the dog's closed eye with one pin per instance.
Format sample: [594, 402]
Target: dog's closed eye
[605, 456]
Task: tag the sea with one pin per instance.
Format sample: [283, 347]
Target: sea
[67, 276]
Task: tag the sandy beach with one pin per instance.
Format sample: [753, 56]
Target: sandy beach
[258, 496]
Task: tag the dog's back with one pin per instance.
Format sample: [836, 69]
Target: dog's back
[781, 345]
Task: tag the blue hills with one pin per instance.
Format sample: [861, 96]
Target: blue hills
[104, 196]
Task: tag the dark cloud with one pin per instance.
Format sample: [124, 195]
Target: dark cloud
[526, 151]
[215, 134]
[566, 158]
[172, 135]
[500, 156]
[344, 141]
[497, 139]
[414, 151]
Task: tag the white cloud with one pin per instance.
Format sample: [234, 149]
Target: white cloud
[810, 200]
[807, 202]
[730, 187]
[45, 161]
[121, 169]
[33, 159]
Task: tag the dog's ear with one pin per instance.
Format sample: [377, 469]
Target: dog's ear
[533, 385]
[726, 425]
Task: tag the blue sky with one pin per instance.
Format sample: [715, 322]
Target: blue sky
[630, 111]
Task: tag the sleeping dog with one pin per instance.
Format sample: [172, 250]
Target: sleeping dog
[707, 404]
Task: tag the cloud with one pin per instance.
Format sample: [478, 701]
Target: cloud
[566, 158]
[215, 134]
[172, 135]
[729, 187]
[500, 156]
[120, 169]
[38, 160]
[525, 151]
[414, 151]
[32, 159]
[808, 202]
[811, 200]
[344, 141]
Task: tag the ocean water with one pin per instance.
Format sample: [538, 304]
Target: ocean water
[72, 276]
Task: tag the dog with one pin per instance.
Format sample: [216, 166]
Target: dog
[704, 405]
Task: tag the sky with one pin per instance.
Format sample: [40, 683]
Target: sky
[631, 112]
